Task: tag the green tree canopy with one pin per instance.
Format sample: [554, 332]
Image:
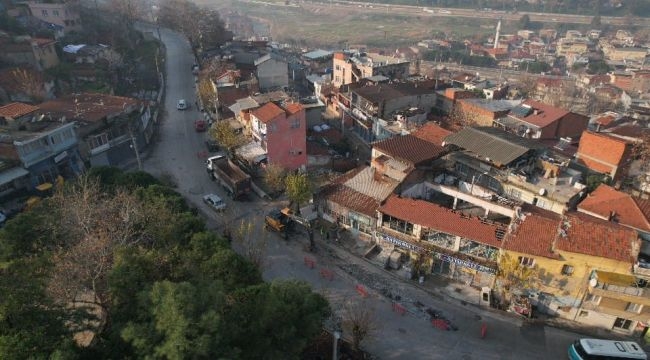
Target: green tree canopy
[164, 285]
[298, 188]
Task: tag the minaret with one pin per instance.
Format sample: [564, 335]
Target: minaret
[496, 36]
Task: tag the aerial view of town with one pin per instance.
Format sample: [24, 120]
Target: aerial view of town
[315, 180]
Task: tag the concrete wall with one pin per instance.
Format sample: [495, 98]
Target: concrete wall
[272, 74]
[424, 102]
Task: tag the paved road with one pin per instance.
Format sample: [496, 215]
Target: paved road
[400, 337]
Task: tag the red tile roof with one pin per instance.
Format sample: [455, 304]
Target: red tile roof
[546, 114]
[267, 112]
[432, 133]
[293, 108]
[89, 107]
[605, 120]
[601, 152]
[42, 42]
[16, 110]
[339, 56]
[534, 233]
[409, 148]
[584, 234]
[607, 202]
[437, 217]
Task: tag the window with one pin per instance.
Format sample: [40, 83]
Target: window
[44, 12]
[567, 270]
[634, 308]
[525, 261]
[338, 67]
[583, 313]
[621, 323]
[55, 12]
[272, 127]
[515, 194]
[295, 123]
[98, 140]
[594, 299]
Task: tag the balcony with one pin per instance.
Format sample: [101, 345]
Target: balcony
[621, 287]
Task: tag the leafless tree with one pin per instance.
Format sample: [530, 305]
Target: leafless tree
[30, 83]
[91, 225]
[359, 320]
[252, 242]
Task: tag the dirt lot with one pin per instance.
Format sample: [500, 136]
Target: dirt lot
[318, 25]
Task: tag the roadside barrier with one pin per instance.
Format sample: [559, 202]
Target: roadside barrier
[361, 290]
[398, 308]
[309, 262]
[327, 274]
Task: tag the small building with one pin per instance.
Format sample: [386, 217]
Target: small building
[110, 128]
[35, 52]
[351, 68]
[604, 153]
[272, 72]
[61, 14]
[514, 167]
[484, 112]
[536, 120]
[282, 132]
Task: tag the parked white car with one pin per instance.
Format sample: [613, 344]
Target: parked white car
[182, 104]
[215, 202]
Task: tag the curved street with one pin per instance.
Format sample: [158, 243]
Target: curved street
[177, 155]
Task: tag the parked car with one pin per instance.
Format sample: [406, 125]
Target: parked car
[200, 125]
[215, 202]
[182, 104]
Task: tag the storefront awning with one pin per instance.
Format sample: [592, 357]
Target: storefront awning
[615, 279]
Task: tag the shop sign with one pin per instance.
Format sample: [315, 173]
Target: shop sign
[466, 263]
[401, 243]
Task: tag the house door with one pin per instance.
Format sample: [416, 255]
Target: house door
[354, 224]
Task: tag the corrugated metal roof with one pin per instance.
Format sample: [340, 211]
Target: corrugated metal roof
[365, 183]
[492, 143]
[316, 54]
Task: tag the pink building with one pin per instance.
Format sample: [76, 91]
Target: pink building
[282, 132]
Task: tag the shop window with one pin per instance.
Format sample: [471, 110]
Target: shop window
[567, 270]
[623, 324]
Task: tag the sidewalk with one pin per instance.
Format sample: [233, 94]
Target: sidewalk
[461, 294]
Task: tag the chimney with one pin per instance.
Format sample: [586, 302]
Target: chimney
[535, 112]
[612, 216]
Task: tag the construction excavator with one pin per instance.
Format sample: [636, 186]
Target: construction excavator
[280, 220]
